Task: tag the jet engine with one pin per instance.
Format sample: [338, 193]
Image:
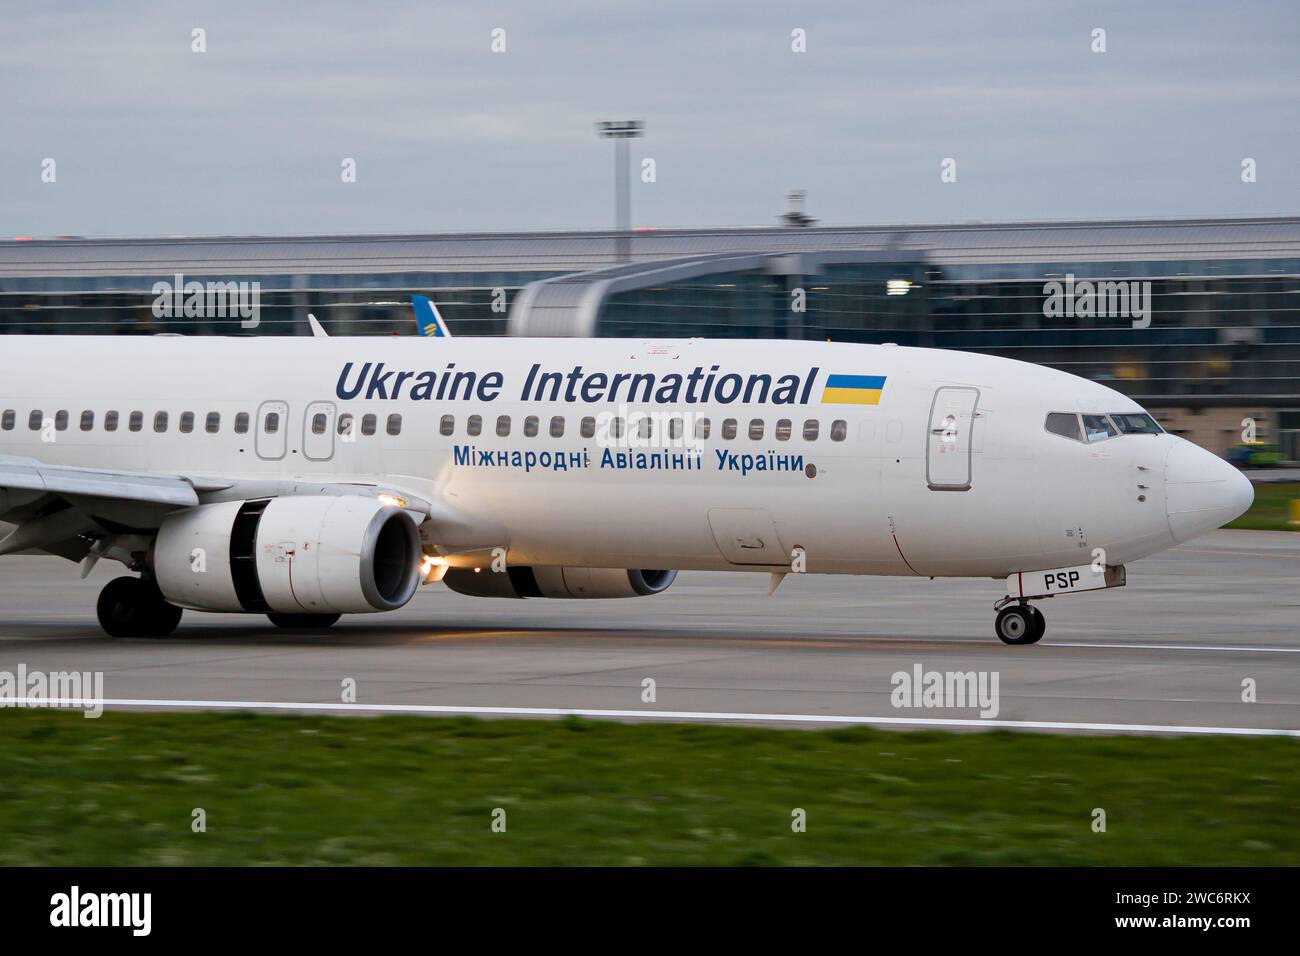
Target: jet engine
[526, 582]
[314, 554]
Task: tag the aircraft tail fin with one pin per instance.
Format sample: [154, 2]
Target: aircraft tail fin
[428, 319]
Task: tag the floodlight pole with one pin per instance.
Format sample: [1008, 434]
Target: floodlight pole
[620, 131]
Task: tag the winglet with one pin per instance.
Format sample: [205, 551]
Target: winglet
[427, 318]
[317, 330]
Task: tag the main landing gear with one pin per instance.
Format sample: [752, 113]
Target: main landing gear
[1020, 624]
[134, 607]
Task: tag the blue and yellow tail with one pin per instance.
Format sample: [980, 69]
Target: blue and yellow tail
[427, 319]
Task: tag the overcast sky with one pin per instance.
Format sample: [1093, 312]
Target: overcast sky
[150, 138]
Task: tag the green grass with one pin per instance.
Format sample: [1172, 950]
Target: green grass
[1270, 512]
[409, 790]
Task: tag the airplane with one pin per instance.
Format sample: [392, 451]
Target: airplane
[304, 478]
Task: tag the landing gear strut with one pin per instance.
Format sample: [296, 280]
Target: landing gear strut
[134, 607]
[1020, 624]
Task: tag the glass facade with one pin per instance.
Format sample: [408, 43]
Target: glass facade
[1190, 332]
[345, 303]
[1167, 331]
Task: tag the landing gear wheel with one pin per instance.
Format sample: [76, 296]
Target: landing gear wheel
[1040, 624]
[132, 607]
[163, 619]
[302, 622]
[1017, 625]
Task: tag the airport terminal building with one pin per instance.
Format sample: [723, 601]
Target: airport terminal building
[1199, 320]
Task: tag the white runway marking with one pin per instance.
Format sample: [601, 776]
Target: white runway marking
[705, 716]
[1181, 647]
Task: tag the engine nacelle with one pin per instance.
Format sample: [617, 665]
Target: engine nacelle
[313, 554]
[526, 582]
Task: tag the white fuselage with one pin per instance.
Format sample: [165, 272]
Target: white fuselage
[906, 490]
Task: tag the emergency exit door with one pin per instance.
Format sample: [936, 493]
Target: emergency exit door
[318, 432]
[272, 427]
[949, 447]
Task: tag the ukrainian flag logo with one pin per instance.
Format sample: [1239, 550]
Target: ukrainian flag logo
[853, 390]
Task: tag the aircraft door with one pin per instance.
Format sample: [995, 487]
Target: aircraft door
[949, 445]
[272, 430]
[318, 432]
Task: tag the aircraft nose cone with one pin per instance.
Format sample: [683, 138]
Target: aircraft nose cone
[1202, 491]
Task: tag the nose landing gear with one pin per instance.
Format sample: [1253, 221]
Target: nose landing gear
[1020, 624]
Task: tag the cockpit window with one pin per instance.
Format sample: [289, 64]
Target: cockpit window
[1065, 424]
[1098, 428]
[1140, 424]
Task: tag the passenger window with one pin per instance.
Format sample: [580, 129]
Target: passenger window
[61, 420]
[839, 430]
[503, 426]
[1065, 424]
[212, 424]
[344, 427]
[319, 423]
[474, 425]
[368, 424]
[271, 423]
[87, 421]
[241, 423]
[729, 429]
[1098, 428]
[644, 427]
[110, 421]
[447, 425]
[783, 429]
[616, 427]
[587, 427]
[810, 429]
[557, 426]
[756, 429]
[702, 429]
[394, 425]
[35, 420]
[136, 422]
[187, 422]
[160, 421]
[674, 429]
[7, 420]
[530, 426]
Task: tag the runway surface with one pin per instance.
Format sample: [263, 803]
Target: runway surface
[1170, 650]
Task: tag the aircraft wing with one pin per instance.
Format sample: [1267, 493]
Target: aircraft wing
[53, 505]
[61, 509]
[22, 477]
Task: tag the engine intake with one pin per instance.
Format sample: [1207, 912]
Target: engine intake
[313, 554]
[526, 582]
